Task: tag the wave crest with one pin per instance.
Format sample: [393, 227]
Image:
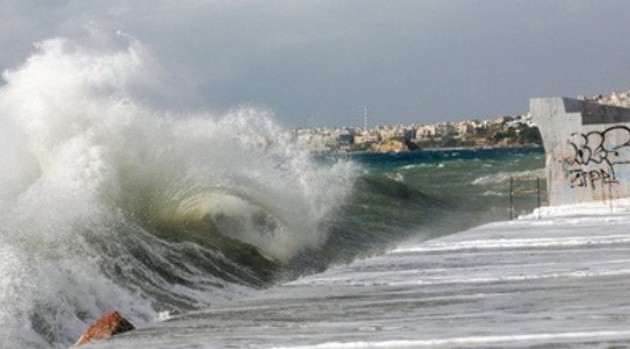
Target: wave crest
[112, 203]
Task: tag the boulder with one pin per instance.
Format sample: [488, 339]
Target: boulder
[110, 324]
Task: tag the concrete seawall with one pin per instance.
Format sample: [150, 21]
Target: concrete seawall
[587, 148]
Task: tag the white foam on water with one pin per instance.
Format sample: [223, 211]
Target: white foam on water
[507, 340]
[503, 177]
[494, 193]
[90, 163]
[568, 241]
[560, 280]
[619, 207]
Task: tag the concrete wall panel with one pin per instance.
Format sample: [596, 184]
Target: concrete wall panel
[587, 149]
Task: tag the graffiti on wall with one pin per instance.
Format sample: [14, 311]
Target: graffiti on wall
[595, 156]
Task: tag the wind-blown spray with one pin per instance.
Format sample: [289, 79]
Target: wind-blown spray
[107, 202]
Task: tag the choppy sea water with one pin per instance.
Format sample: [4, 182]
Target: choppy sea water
[557, 279]
[221, 224]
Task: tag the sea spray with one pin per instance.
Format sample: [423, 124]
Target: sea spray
[111, 203]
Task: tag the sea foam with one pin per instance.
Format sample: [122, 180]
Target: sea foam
[107, 198]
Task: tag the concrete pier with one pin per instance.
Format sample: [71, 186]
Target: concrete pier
[587, 148]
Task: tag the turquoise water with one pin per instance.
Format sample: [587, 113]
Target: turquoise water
[110, 203]
[469, 186]
[351, 288]
[421, 195]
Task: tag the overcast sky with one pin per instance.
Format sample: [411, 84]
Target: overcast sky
[319, 62]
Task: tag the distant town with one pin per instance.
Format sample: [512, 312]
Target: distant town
[501, 131]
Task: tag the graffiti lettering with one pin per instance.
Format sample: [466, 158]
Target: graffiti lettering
[595, 155]
[580, 178]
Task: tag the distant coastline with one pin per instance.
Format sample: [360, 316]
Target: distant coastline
[437, 149]
[500, 132]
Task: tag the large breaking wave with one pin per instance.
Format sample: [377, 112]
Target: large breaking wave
[106, 202]
[109, 202]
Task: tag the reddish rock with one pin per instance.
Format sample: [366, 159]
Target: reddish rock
[108, 325]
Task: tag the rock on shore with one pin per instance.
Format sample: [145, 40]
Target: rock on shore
[112, 323]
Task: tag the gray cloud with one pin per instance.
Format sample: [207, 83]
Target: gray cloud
[320, 62]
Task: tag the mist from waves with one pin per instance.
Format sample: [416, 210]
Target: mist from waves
[109, 203]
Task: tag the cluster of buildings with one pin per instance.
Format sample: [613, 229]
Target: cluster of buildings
[500, 131]
[409, 137]
[620, 99]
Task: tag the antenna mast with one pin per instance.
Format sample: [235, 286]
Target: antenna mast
[365, 118]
